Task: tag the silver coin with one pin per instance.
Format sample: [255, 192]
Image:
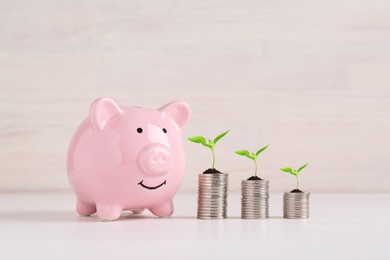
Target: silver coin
[206, 209]
[211, 211]
[257, 198]
[211, 216]
[257, 213]
[214, 201]
[254, 199]
[255, 205]
[253, 202]
[212, 192]
[211, 202]
[247, 206]
[221, 202]
[211, 207]
[296, 205]
[222, 186]
[254, 212]
[201, 214]
[216, 179]
[212, 196]
[215, 190]
[251, 206]
[208, 202]
[255, 217]
[211, 185]
[253, 192]
[213, 181]
[261, 186]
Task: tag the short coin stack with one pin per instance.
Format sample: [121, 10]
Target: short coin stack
[296, 205]
[212, 195]
[254, 199]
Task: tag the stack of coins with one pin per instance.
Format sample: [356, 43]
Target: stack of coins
[296, 204]
[254, 199]
[212, 195]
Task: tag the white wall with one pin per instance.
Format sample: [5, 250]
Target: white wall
[311, 78]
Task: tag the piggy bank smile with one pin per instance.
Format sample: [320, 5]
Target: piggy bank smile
[152, 187]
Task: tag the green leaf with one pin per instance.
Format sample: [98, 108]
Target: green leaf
[287, 169]
[207, 145]
[198, 139]
[261, 149]
[244, 153]
[210, 143]
[301, 168]
[220, 136]
[253, 156]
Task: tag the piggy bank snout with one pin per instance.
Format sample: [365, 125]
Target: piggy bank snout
[155, 159]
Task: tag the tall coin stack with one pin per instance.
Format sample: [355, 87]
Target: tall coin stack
[296, 205]
[212, 195]
[254, 199]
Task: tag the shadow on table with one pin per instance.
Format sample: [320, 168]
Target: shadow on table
[70, 216]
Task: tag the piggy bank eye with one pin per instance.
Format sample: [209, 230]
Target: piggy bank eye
[139, 130]
[165, 130]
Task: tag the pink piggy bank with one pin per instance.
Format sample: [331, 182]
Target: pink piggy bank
[127, 158]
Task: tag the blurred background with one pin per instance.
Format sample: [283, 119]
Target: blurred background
[310, 78]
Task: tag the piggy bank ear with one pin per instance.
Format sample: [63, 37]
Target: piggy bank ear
[101, 111]
[179, 112]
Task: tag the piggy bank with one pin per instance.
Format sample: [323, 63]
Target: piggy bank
[127, 158]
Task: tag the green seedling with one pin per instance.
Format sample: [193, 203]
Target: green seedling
[294, 172]
[252, 155]
[208, 143]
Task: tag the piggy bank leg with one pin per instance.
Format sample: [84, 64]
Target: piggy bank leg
[137, 211]
[108, 212]
[163, 210]
[85, 209]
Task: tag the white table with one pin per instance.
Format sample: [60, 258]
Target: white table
[342, 226]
